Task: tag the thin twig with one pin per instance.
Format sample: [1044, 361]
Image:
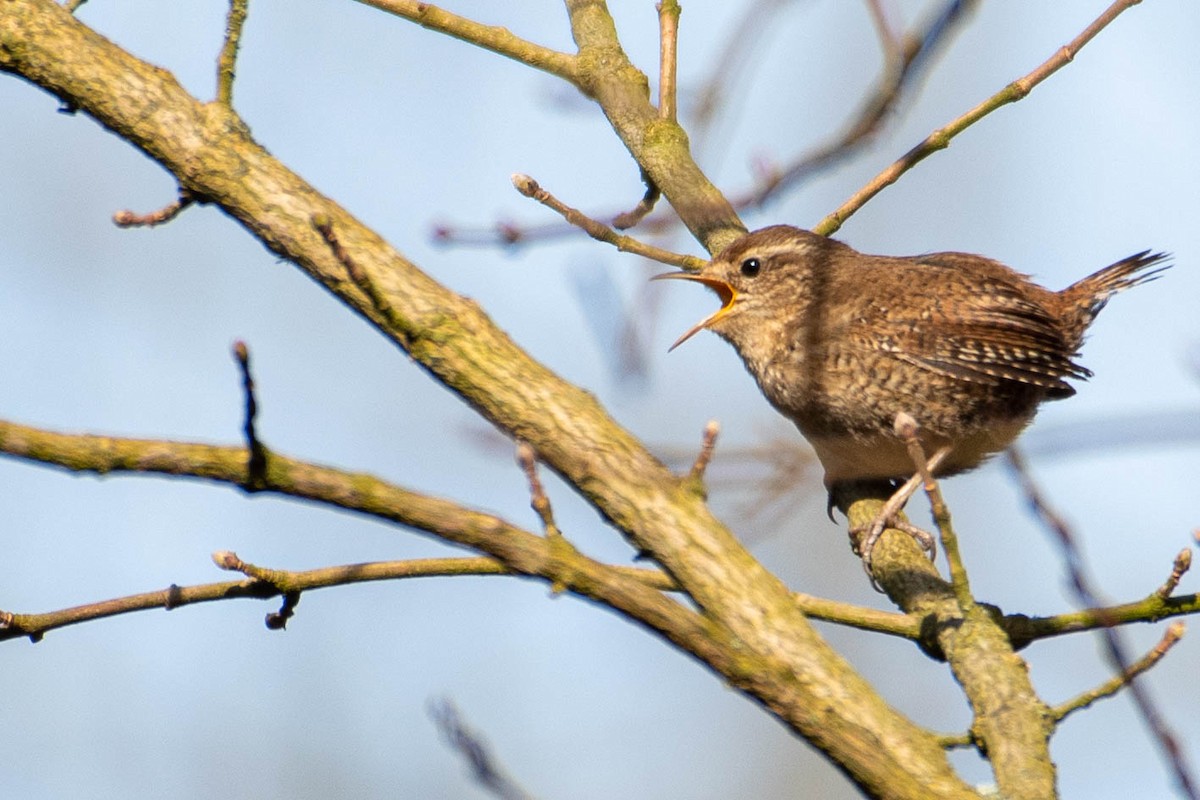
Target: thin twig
[888, 41]
[941, 138]
[276, 620]
[1113, 685]
[505, 233]
[229, 50]
[490, 37]
[263, 584]
[707, 445]
[601, 232]
[1023, 630]
[951, 741]
[1053, 522]
[324, 226]
[1183, 562]
[538, 501]
[131, 219]
[559, 548]
[906, 429]
[73, 5]
[279, 583]
[256, 464]
[628, 219]
[668, 41]
[727, 67]
[900, 70]
[471, 746]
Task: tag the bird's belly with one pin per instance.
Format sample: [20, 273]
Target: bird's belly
[848, 457]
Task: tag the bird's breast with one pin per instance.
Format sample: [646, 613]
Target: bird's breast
[847, 457]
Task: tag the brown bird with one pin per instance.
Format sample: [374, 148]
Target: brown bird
[841, 343]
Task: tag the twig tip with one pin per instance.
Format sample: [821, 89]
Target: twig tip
[525, 456]
[905, 426]
[708, 445]
[524, 184]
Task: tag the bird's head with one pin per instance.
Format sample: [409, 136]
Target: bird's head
[763, 279]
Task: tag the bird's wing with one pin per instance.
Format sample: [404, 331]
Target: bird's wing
[980, 327]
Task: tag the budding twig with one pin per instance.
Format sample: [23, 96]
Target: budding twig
[538, 500]
[906, 428]
[940, 139]
[280, 580]
[1113, 685]
[131, 219]
[1183, 562]
[1153, 719]
[707, 445]
[601, 232]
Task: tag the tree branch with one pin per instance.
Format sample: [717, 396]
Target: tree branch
[35, 626]
[1054, 523]
[1011, 724]
[105, 455]
[601, 232]
[520, 551]
[659, 145]
[494, 38]
[229, 50]
[748, 627]
[941, 138]
[1117, 682]
[1023, 630]
[766, 647]
[903, 61]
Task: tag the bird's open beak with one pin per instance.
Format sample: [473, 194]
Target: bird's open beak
[723, 290]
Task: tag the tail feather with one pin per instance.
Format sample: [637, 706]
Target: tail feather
[1091, 293]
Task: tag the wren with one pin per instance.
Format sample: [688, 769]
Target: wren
[841, 342]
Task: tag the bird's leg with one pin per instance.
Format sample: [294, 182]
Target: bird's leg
[864, 537]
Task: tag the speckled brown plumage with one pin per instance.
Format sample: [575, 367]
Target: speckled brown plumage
[840, 342]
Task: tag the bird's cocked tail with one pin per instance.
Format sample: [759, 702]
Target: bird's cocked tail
[1091, 293]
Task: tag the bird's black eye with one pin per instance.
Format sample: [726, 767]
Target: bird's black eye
[751, 267]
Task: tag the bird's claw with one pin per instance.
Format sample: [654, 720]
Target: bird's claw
[863, 539]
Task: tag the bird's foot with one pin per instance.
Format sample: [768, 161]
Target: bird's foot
[863, 538]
